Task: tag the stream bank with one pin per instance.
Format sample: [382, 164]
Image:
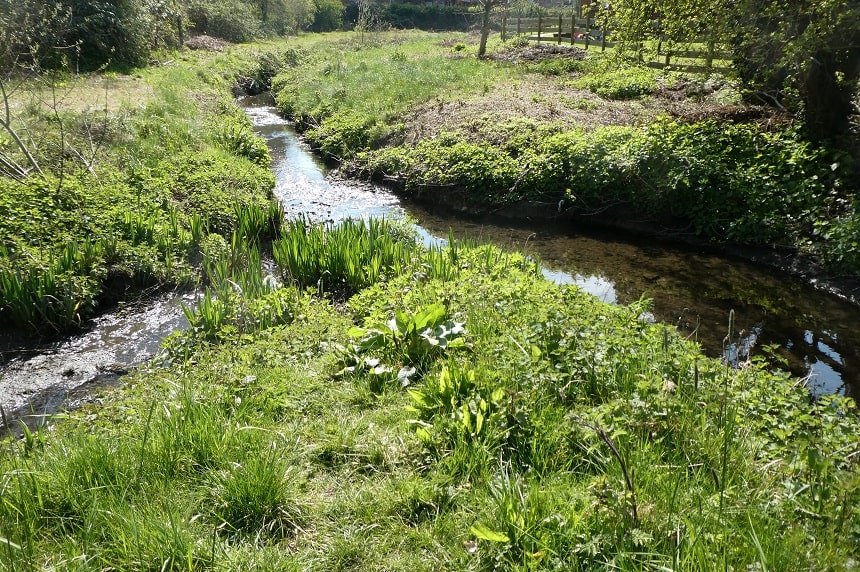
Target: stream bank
[694, 287]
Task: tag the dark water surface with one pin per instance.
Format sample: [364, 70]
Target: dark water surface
[817, 333]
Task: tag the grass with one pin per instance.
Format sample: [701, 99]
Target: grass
[350, 95]
[381, 406]
[560, 433]
[139, 166]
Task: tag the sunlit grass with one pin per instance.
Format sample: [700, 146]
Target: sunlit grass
[561, 433]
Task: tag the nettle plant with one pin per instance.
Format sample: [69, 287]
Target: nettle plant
[405, 344]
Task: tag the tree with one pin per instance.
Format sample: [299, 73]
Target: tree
[328, 15]
[801, 56]
[804, 57]
[487, 6]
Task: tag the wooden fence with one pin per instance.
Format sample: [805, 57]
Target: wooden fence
[568, 30]
[587, 32]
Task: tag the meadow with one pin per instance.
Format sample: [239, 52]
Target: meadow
[376, 404]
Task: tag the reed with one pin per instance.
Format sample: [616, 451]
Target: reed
[240, 296]
[350, 255]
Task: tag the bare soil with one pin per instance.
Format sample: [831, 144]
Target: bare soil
[545, 99]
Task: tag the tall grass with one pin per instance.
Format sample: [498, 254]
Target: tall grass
[56, 293]
[545, 430]
[373, 85]
[350, 255]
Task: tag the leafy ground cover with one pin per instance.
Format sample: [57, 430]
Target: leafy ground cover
[454, 412]
[134, 171]
[377, 405]
[585, 130]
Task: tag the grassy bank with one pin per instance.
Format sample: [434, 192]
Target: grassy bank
[134, 173]
[378, 405]
[450, 410]
[583, 132]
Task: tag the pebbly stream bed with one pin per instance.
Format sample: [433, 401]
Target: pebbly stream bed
[815, 333]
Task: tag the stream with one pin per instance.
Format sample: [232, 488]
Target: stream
[816, 334]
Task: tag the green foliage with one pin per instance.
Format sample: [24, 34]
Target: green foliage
[154, 181]
[232, 20]
[348, 99]
[82, 35]
[241, 298]
[328, 15]
[620, 83]
[412, 341]
[795, 56]
[571, 435]
[414, 16]
[799, 56]
[238, 138]
[350, 255]
[732, 182]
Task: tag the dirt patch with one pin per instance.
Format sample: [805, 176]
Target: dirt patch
[206, 43]
[538, 52]
[108, 93]
[541, 98]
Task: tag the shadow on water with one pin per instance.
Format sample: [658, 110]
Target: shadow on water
[815, 333]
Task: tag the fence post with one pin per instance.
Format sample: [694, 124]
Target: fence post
[559, 30]
[540, 26]
[504, 25]
[519, 17]
[710, 61]
[587, 32]
[572, 27]
[603, 32]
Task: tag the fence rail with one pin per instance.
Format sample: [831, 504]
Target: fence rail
[569, 30]
[587, 32]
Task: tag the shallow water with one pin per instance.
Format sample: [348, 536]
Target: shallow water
[815, 332]
[45, 377]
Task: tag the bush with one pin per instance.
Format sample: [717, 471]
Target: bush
[84, 35]
[623, 83]
[231, 20]
[328, 15]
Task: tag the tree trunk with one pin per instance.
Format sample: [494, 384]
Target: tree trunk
[485, 27]
[827, 103]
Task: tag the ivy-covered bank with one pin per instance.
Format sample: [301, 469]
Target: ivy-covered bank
[129, 176]
[559, 132]
[441, 409]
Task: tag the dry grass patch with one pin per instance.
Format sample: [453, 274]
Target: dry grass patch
[107, 93]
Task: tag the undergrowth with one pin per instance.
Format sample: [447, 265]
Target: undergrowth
[131, 207]
[472, 417]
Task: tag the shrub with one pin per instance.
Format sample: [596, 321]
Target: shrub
[231, 20]
[623, 83]
[328, 15]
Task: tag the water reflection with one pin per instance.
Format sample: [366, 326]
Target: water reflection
[695, 291]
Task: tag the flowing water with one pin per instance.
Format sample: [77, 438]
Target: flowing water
[817, 334]
[44, 377]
